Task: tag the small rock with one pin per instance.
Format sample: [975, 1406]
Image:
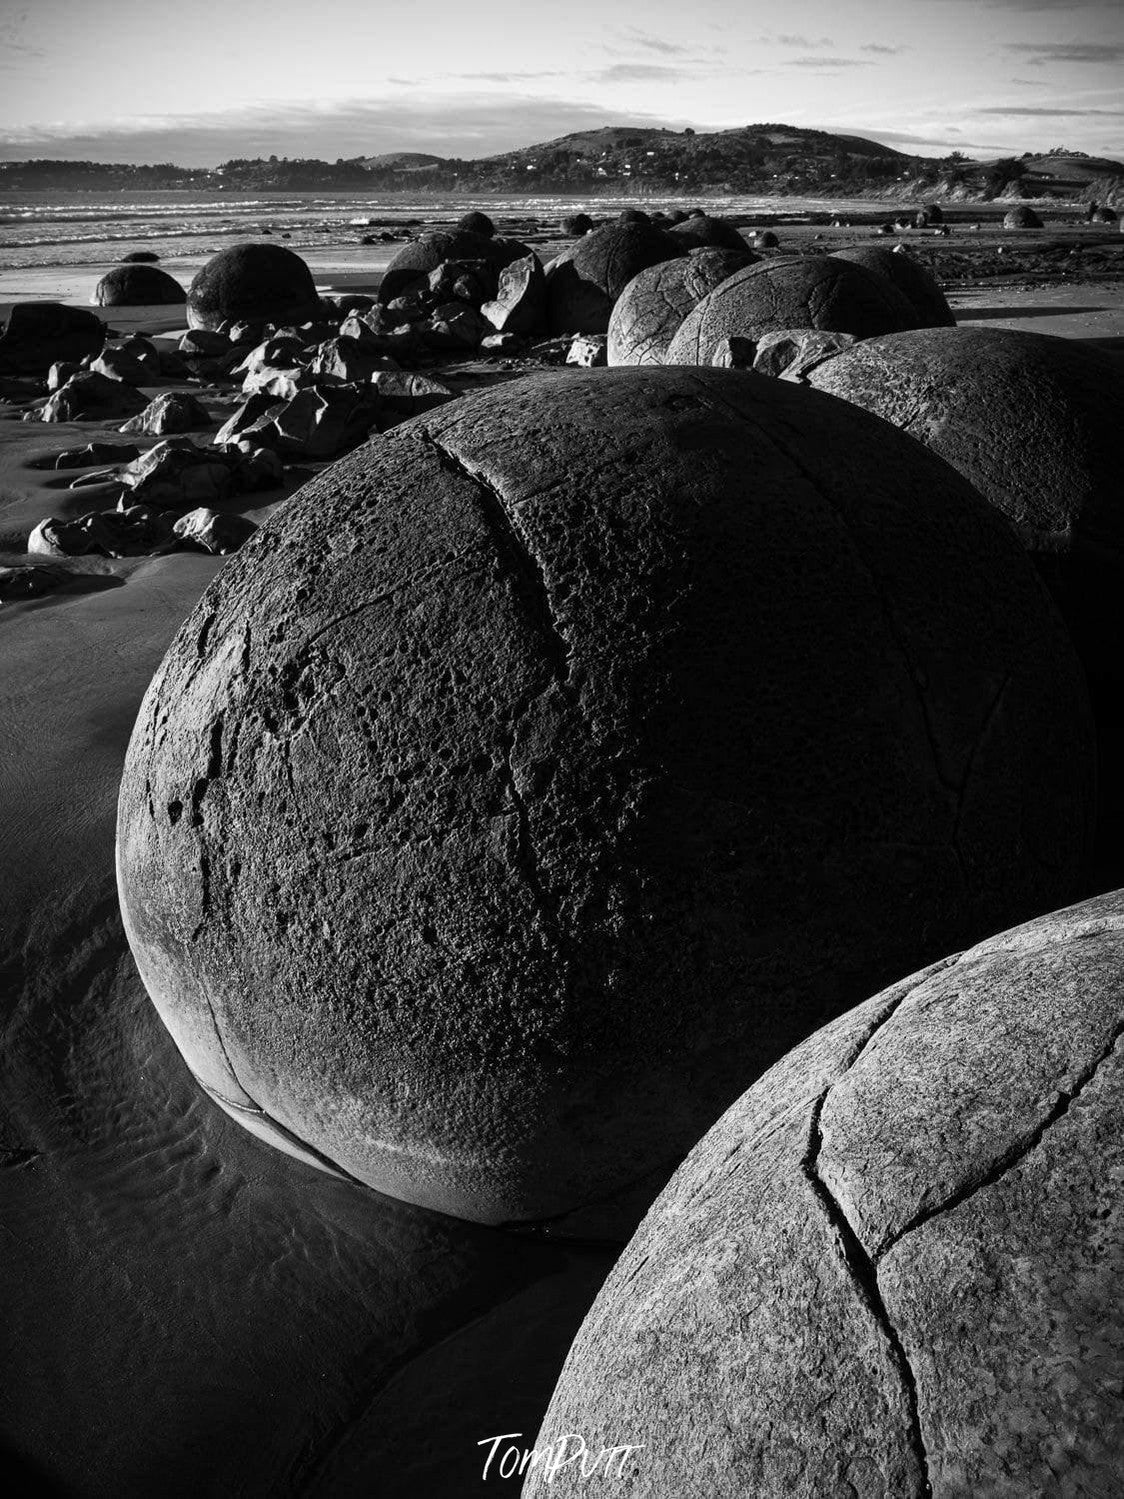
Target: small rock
[204, 341]
[96, 452]
[790, 353]
[502, 343]
[734, 353]
[29, 582]
[59, 374]
[119, 364]
[176, 474]
[91, 394]
[404, 395]
[520, 301]
[174, 411]
[212, 532]
[587, 350]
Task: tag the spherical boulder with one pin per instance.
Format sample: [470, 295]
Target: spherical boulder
[815, 291]
[896, 1265]
[246, 282]
[649, 311]
[137, 285]
[914, 282]
[554, 764]
[1033, 424]
[40, 334]
[928, 216]
[633, 216]
[700, 231]
[585, 280]
[577, 224]
[476, 223]
[765, 239]
[1021, 218]
[409, 270]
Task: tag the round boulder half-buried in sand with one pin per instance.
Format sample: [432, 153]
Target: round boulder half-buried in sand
[817, 291]
[915, 283]
[896, 1266]
[138, 285]
[555, 764]
[585, 280]
[248, 283]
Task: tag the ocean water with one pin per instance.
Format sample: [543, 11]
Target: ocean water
[44, 230]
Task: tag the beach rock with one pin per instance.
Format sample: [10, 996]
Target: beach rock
[587, 350]
[577, 224]
[455, 328]
[927, 217]
[894, 1266]
[790, 354]
[1033, 424]
[96, 453]
[915, 283]
[765, 239]
[208, 531]
[254, 414]
[519, 305]
[633, 216]
[174, 411]
[818, 291]
[734, 353]
[121, 364]
[94, 396]
[324, 420]
[702, 232]
[885, 229]
[585, 280]
[475, 223]
[470, 281]
[256, 468]
[502, 343]
[176, 474]
[204, 342]
[347, 359]
[633, 723]
[140, 257]
[53, 537]
[1021, 218]
[137, 284]
[60, 373]
[147, 529]
[404, 395]
[650, 309]
[249, 283]
[29, 582]
[40, 334]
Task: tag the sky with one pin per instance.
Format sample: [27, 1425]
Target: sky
[138, 80]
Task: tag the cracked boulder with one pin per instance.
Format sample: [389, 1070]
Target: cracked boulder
[649, 311]
[585, 280]
[815, 291]
[916, 284]
[634, 722]
[895, 1266]
[252, 283]
[1034, 424]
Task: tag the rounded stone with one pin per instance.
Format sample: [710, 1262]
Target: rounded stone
[577, 224]
[585, 280]
[409, 269]
[40, 334]
[251, 282]
[765, 239]
[815, 291]
[927, 216]
[700, 231]
[137, 285]
[896, 1265]
[914, 282]
[633, 216]
[1021, 218]
[556, 763]
[648, 312]
[476, 223]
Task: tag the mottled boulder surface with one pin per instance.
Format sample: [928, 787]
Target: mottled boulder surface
[560, 760]
[896, 1266]
[701, 231]
[138, 285]
[919, 288]
[1021, 218]
[585, 280]
[39, 334]
[266, 283]
[652, 306]
[816, 291]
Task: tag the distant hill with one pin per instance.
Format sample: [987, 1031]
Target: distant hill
[624, 160]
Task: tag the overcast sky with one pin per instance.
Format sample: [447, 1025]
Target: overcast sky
[145, 80]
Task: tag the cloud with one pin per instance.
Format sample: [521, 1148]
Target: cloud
[786, 39]
[638, 72]
[826, 64]
[637, 38]
[467, 124]
[1005, 109]
[1040, 53]
[880, 49]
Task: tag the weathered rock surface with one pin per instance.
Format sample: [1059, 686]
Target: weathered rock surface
[176, 474]
[411, 267]
[170, 413]
[137, 285]
[89, 394]
[248, 283]
[817, 291]
[211, 532]
[701, 231]
[39, 334]
[791, 353]
[895, 1267]
[1021, 217]
[585, 280]
[651, 308]
[914, 282]
[627, 724]
[519, 305]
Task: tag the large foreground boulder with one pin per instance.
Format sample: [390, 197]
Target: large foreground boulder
[817, 291]
[247, 283]
[39, 334]
[919, 288]
[138, 285]
[585, 280]
[896, 1266]
[1034, 424]
[555, 763]
[650, 310]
